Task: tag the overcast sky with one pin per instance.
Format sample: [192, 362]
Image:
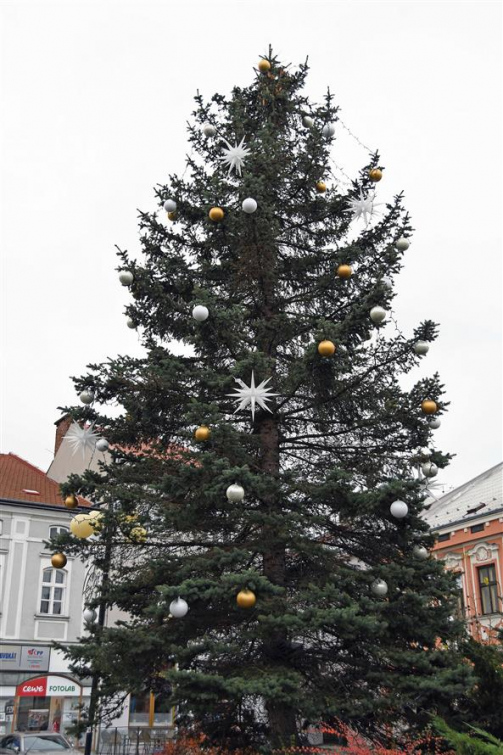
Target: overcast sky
[95, 99]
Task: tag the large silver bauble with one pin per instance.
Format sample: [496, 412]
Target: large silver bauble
[307, 121]
[89, 616]
[170, 205]
[387, 282]
[420, 552]
[402, 244]
[126, 277]
[235, 493]
[249, 205]
[377, 314]
[87, 397]
[328, 129]
[429, 469]
[178, 608]
[379, 588]
[434, 423]
[200, 313]
[102, 445]
[208, 129]
[399, 509]
[130, 323]
[421, 347]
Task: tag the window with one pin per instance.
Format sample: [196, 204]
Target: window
[445, 536]
[488, 587]
[55, 530]
[477, 528]
[150, 710]
[461, 597]
[53, 590]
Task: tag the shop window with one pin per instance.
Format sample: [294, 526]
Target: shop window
[56, 530]
[488, 587]
[53, 591]
[149, 710]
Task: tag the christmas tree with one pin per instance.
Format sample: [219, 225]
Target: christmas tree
[259, 518]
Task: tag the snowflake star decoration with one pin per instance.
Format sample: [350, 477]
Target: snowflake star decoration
[235, 156]
[252, 395]
[81, 438]
[364, 207]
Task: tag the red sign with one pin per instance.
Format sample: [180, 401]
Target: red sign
[33, 687]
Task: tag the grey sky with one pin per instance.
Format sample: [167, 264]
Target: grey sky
[95, 98]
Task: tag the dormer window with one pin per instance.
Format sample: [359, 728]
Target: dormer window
[476, 508]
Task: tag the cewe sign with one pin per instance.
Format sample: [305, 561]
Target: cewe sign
[49, 686]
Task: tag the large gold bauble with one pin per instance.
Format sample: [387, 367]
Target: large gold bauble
[138, 535]
[344, 271]
[82, 526]
[71, 501]
[326, 348]
[58, 560]
[429, 407]
[202, 433]
[375, 174]
[171, 215]
[321, 187]
[216, 214]
[264, 66]
[246, 599]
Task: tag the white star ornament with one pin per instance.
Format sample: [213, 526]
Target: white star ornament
[234, 156]
[81, 438]
[364, 207]
[252, 395]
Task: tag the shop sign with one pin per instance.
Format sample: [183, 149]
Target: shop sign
[49, 686]
[25, 657]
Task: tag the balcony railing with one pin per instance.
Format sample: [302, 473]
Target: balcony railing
[133, 740]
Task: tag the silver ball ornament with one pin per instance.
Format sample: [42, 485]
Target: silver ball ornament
[402, 244]
[87, 397]
[429, 469]
[378, 315]
[178, 608]
[130, 323]
[379, 588]
[102, 445]
[434, 423]
[399, 509]
[249, 205]
[420, 552]
[126, 277]
[170, 205]
[387, 282]
[421, 347]
[235, 493]
[328, 129]
[89, 616]
[200, 313]
[208, 129]
[307, 121]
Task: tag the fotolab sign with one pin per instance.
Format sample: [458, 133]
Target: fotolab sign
[49, 686]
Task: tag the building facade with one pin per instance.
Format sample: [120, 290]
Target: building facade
[468, 524]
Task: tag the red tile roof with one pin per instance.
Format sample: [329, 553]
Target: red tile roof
[21, 481]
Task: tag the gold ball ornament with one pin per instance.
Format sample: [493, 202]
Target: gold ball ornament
[264, 66]
[96, 518]
[71, 501]
[58, 560]
[82, 526]
[321, 187]
[246, 599]
[202, 433]
[171, 215]
[216, 214]
[138, 535]
[375, 174]
[429, 407]
[344, 271]
[326, 348]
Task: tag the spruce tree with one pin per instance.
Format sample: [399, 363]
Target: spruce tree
[320, 461]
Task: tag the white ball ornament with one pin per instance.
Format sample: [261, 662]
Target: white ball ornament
[130, 323]
[102, 445]
[126, 277]
[378, 315]
[429, 469]
[170, 205]
[235, 493]
[421, 347]
[249, 205]
[434, 423]
[200, 313]
[379, 588]
[399, 509]
[178, 608]
[387, 282]
[209, 130]
[402, 244]
[89, 616]
[328, 129]
[87, 397]
[307, 121]
[420, 552]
